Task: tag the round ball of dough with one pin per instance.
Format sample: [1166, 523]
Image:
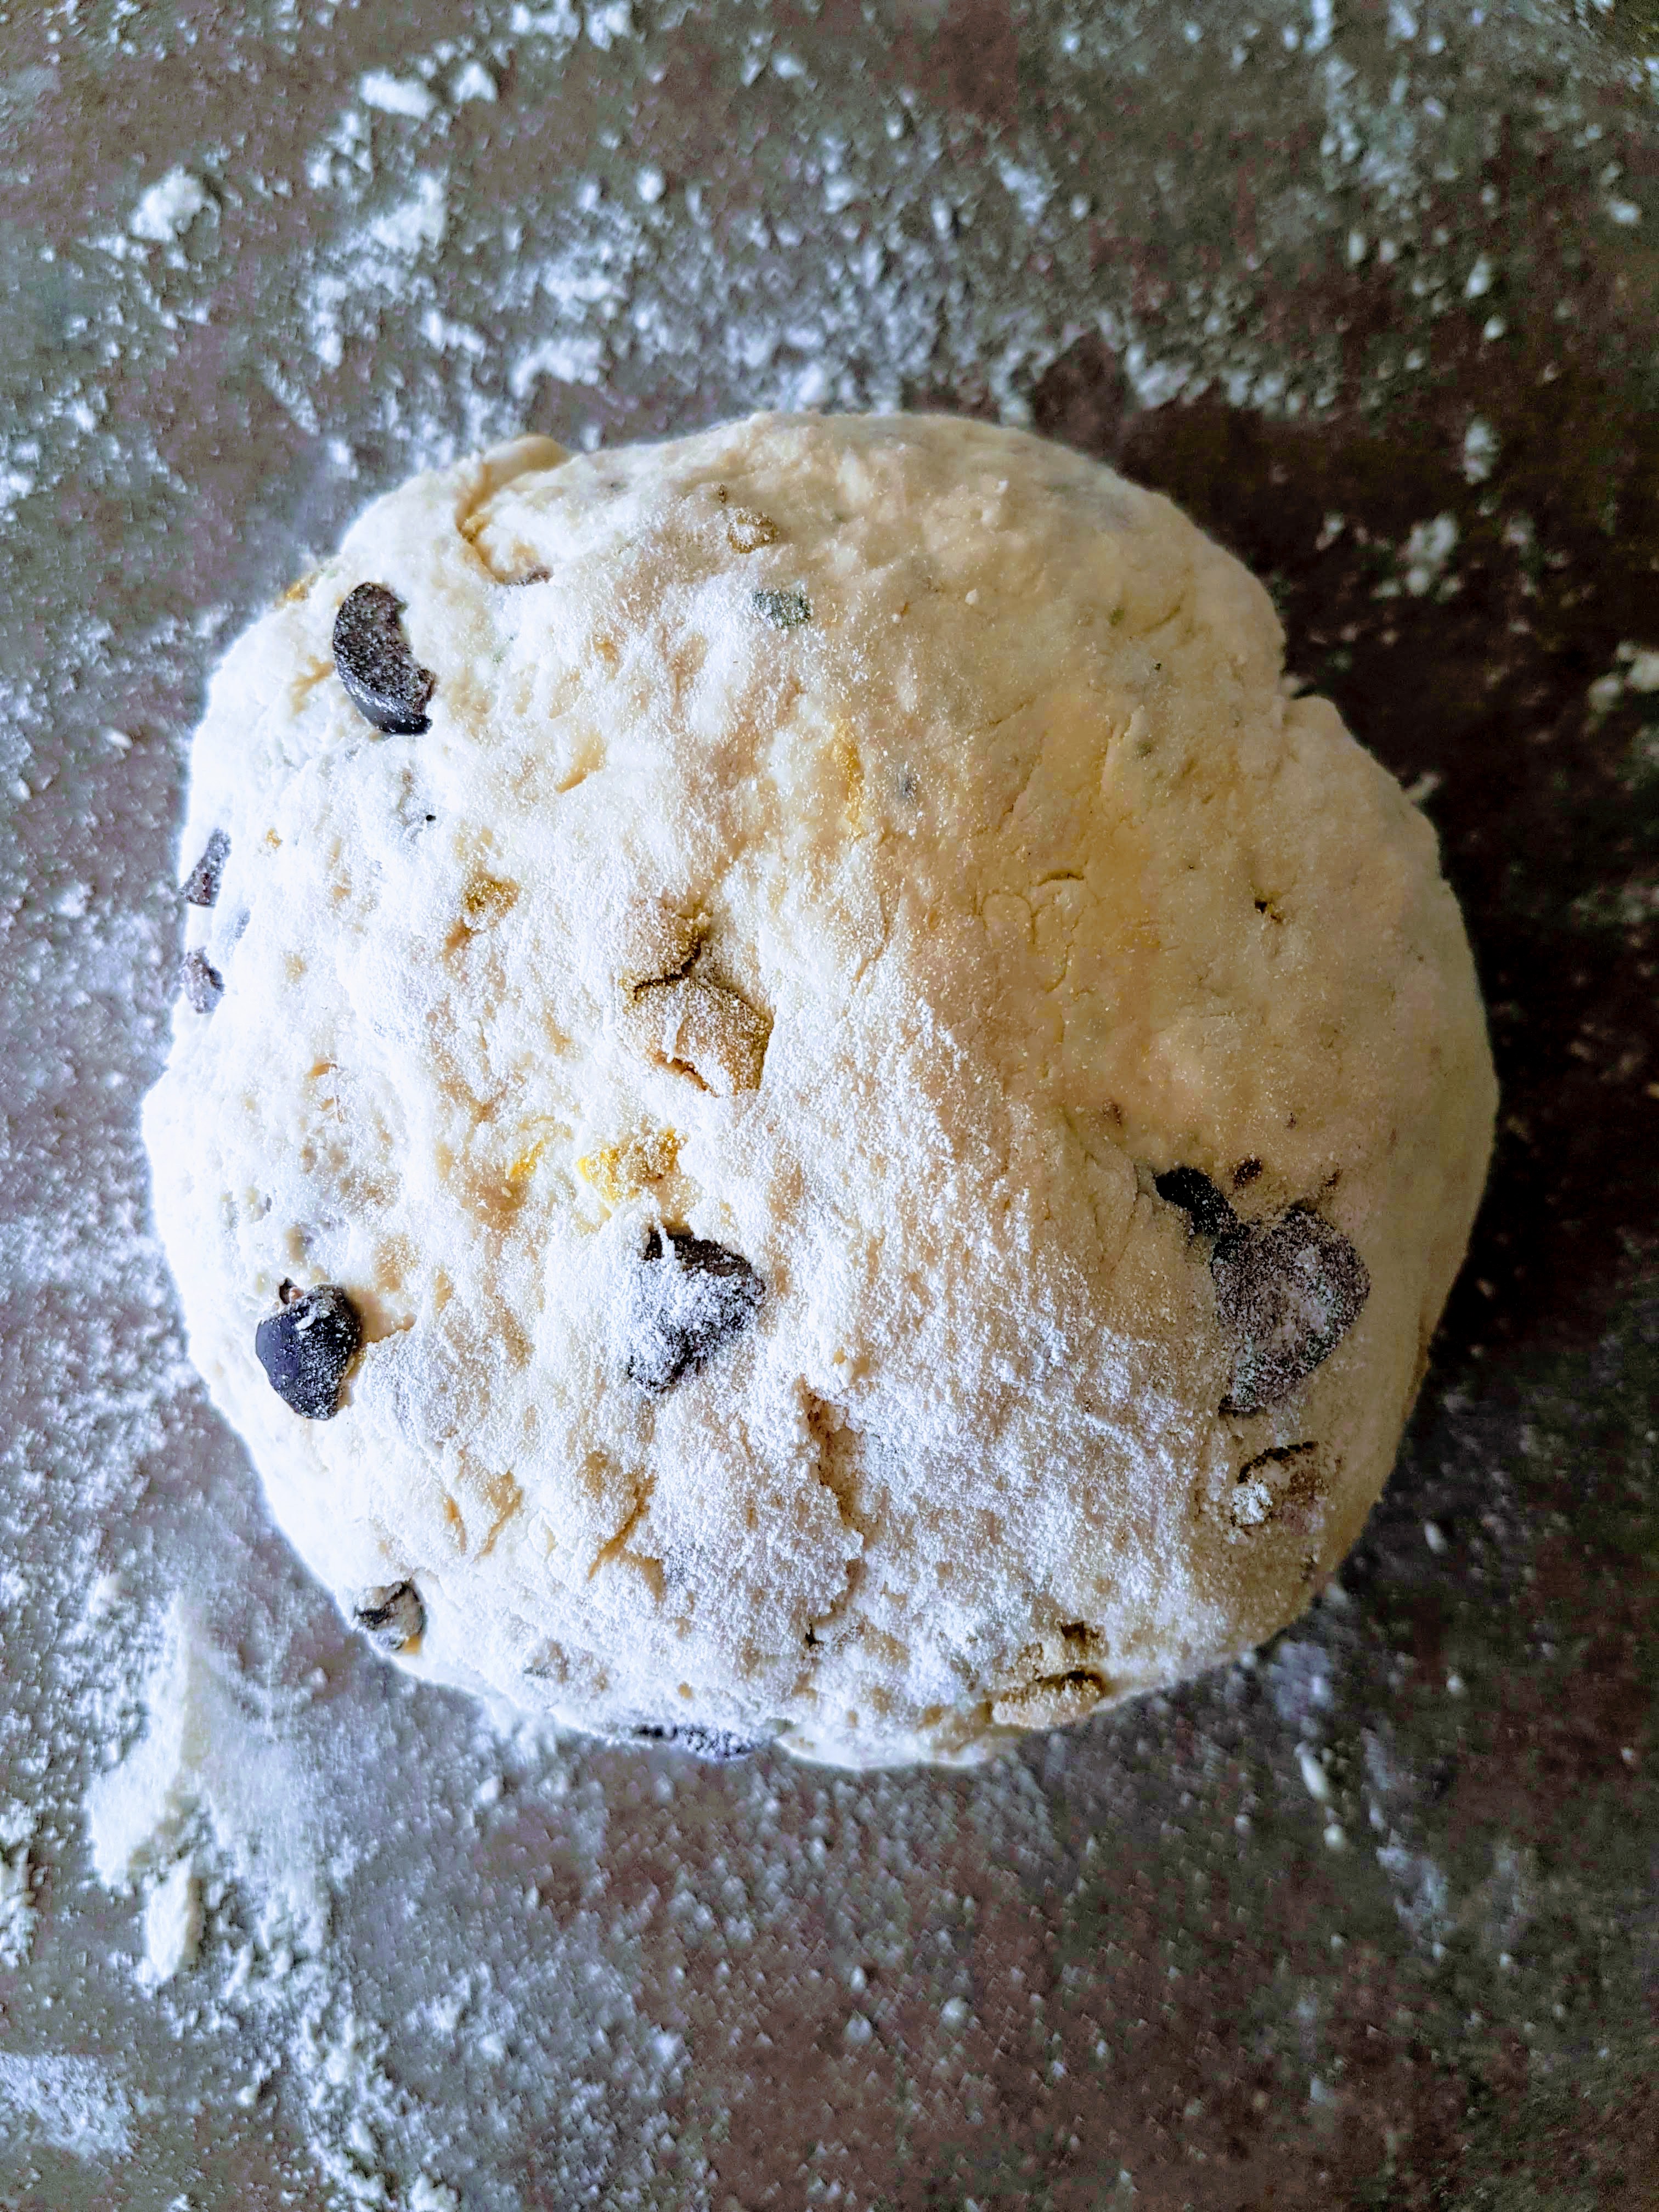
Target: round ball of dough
[807, 1105]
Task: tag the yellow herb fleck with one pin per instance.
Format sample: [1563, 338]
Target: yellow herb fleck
[852, 776]
[524, 1165]
[621, 1171]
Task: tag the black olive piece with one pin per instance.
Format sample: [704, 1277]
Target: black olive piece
[306, 1347]
[391, 1616]
[383, 679]
[1205, 1207]
[717, 1746]
[1287, 1291]
[202, 883]
[783, 610]
[688, 1300]
[204, 986]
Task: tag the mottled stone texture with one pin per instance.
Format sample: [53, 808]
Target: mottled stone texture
[1369, 291]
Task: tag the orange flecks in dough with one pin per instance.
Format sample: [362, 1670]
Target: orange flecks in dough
[524, 1163]
[620, 1171]
[1050, 1704]
[852, 777]
[747, 530]
[485, 899]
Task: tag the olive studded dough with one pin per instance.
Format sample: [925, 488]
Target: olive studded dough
[806, 1106]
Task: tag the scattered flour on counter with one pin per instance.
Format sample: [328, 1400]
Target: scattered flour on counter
[1422, 560]
[569, 2023]
[396, 96]
[1481, 450]
[172, 1925]
[415, 224]
[203, 1753]
[472, 80]
[894, 303]
[609, 22]
[372, 262]
[64, 2103]
[1636, 668]
[559, 2007]
[16, 1900]
[236, 1814]
[167, 209]
[566, 359]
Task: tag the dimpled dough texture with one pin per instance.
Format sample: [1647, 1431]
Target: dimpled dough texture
[878, 854]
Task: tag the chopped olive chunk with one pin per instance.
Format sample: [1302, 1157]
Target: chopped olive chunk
[204, 986]
[783, 610]
[306, 1348]
[689, 1299]
[1198, 1199]
[383, 679]
[718, 1746]
[391, 1616]
[1287, 1291]
[202, 883]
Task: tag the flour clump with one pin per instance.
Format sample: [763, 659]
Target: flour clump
[807, 1106]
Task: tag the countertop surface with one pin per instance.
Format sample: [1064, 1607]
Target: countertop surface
[1371, 290]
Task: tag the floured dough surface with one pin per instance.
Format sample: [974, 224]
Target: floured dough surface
[894, 1116]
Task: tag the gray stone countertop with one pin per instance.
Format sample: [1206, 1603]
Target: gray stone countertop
[1373, 1921]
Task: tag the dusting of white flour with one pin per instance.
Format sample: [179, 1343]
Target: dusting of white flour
[255, 1890]
[801, 843]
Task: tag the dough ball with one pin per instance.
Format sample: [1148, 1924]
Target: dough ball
[808, 1105]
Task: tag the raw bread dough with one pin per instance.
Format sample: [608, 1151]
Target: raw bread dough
[883, 852]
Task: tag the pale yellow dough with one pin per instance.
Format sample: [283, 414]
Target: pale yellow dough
[1000, 875]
